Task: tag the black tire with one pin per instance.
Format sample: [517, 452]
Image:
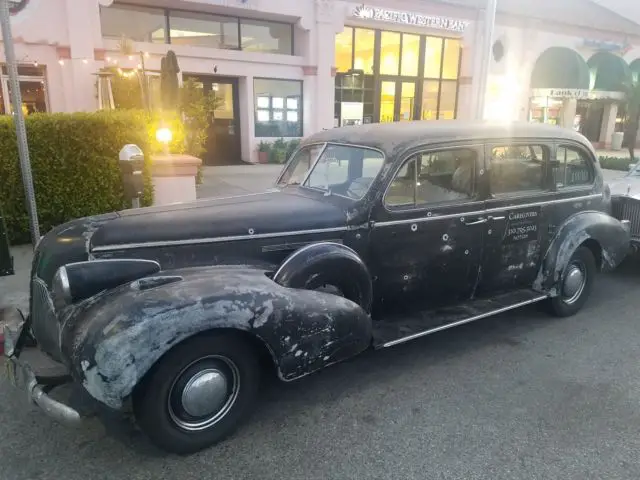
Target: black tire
[159, 412]
[565, 306]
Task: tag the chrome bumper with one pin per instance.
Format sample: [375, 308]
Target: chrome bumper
[22, 375]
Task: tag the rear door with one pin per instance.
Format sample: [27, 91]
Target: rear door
[518, 210]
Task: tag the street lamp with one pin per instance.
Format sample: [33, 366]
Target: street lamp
[164, 136]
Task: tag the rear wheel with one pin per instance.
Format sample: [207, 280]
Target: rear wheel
[198, 393]
[576, 283]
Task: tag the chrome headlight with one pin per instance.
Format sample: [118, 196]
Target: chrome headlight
[61, 289]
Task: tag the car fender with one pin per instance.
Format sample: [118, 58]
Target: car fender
[111, 340]
[329, 262]
[610, 235]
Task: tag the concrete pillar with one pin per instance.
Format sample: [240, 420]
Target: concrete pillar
[325, 31]
[608, 124]
[569, 107]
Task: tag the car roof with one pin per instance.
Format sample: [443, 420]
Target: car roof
[399, 136]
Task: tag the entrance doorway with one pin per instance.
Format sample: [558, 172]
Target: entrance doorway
[397, 100]
[223, 139]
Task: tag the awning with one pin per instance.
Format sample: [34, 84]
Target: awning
[608, 72]
[560, 67]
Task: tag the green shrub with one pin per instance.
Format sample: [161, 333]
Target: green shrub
[74, 160]
[615, 163]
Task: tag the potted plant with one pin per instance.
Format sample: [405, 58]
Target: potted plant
[263, 152]
[279, 151]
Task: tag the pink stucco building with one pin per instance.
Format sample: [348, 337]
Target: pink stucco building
[288, 68]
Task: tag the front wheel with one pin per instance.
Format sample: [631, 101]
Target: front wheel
[198, 393]
[576, 283]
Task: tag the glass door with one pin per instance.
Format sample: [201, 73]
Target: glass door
[397, 100]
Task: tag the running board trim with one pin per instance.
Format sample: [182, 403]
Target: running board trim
[460, 322]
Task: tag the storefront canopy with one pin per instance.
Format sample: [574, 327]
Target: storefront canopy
[612, 73]
[560, 67]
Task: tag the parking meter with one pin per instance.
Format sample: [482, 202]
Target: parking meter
[131, 164]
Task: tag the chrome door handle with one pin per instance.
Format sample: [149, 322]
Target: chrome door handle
[477, 222]
[496, 218]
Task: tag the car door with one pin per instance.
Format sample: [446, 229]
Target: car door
[519, 181]
[426, 240]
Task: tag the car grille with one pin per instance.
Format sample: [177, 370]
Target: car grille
[627, 208]
[44, 322]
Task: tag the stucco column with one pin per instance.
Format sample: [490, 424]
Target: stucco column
[608, 124]
[569, 107]
[325, 32]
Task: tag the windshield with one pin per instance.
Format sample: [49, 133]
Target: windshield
[346, 170]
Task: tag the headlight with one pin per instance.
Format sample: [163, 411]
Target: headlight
[61, 290]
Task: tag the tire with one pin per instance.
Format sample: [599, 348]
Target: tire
[184, 427]
[567, 304]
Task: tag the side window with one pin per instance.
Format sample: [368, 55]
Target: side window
[573, 168]
[434, 177]
[517, 168]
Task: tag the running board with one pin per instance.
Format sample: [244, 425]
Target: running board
[399, 329]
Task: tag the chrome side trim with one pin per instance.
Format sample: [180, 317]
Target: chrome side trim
[201, 241]
[295, 245]
[487, 211]
[461, 322]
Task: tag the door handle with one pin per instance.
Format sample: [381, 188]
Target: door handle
[496, 218]
[476, 222]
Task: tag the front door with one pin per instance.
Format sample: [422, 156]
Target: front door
[426, 242]
[222, 146]
[397, 100]
[517, 208]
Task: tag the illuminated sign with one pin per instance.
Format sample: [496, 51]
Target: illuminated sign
[576, 93]
[364, 12]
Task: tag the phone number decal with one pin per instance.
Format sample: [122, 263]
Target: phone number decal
[522, 226]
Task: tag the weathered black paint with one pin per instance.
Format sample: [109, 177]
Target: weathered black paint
[219, 257]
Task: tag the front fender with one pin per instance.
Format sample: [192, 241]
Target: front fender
[610, 235]
[111, 340]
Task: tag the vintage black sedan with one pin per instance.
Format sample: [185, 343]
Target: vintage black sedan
[374, 235]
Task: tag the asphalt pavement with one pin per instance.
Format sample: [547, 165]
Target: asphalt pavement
[519, 396]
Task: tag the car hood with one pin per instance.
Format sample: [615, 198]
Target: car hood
[245, 215]
[626, 185]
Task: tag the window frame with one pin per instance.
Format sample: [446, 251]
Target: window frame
[300, 106]
[475, 198]
[4, 86]
[546, 183]
[238, 19]
[587, 155]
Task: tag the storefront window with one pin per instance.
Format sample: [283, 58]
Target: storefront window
[448, 90]
[137, 23]
[430, 92]
[387, 101]
[266, 37]
[32, 89]
[451, 59]
[344, 50]
[410, 55]
[432, 57]
[278, 107]
[364, 50]
[407, 100]
[389, 53]
[203, 30]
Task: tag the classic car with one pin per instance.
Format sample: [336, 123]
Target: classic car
[372, 236]
[625, 198]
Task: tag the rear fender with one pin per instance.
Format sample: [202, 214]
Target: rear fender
[599, 230]
[112, 340]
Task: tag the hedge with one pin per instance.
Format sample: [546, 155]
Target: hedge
[615, 163]
[74, 160]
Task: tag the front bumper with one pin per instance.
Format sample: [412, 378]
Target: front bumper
[35, 378]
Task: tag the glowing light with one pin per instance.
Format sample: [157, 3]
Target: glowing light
[61, 62]
[85, 61]
[164, 135]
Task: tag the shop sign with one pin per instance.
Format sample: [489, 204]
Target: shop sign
[576, 93]
[605, 46]
[365, 12]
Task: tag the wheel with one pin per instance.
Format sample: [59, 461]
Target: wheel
[198, 393]
[575, 284]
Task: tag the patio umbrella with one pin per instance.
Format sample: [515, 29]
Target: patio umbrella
[169, 70]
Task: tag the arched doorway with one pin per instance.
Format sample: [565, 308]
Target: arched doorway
[609, 76]
[560, 76]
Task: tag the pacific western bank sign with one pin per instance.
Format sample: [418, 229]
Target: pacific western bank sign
[364, 12]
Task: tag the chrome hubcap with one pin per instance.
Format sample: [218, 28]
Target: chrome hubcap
[574, 282]
[204, 392]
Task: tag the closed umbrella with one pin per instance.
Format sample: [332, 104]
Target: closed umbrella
[169, 70]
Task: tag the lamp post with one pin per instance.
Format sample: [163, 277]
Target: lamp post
[487, 37]
[18, 117]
